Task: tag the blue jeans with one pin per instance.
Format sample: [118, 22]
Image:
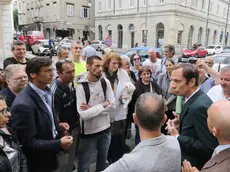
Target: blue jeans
[88, 147]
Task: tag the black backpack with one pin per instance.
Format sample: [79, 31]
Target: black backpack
[87, 95]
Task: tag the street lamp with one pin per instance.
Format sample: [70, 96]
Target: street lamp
[206, 27]
[146, 20]
[226, 26]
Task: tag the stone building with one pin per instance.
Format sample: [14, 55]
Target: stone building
[6, 28]
[53, 16]
[158, 22]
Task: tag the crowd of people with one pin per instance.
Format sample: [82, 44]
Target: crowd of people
[82, 107]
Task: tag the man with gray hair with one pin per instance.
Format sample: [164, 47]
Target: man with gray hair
[16, 79]
[18, 49]
[152, 153]
[222, 91]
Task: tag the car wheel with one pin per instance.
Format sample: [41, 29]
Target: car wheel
[39, 53]
[98, 49]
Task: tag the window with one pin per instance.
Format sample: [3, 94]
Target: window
[144, 36]
[210, 6]
[19, 7]
[161, 1]
[179, 37]
[99, 6]
[145, 2]
[131, 3]
[224, 12]
[194, 3]
[109, 4]
[69, 10]
[120, 4]
[203, 4]
[218, 10]
[84, 12]
[32, 13]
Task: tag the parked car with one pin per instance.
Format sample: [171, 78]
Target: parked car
[220, 61]
[226, 49]
[213, 49]
[142, 51]
[31, 37]
[40, 47]
[194, 52]
[63, 43]
[98, 45]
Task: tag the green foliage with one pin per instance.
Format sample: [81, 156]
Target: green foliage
[17, 27]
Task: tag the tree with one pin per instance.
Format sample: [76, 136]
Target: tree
[17, 27]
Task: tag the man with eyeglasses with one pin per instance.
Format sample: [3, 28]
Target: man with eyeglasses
[65, 104]
[16, 79]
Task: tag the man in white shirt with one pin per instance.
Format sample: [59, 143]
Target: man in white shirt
[218, 123]
[222, 91]
[154, 63]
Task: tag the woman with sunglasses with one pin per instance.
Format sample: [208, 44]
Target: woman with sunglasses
[11, 157]
[135, 61]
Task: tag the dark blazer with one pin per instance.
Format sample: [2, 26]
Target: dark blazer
[220, 162]
[32, 123]
[196, 141]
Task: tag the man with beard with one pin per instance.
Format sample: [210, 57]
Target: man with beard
[16, 79]
[94, 99]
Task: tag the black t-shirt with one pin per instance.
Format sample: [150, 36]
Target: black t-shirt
[9, 97]
[12, 60]
[65, 103]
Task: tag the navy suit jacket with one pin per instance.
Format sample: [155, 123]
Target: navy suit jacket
[196, 141]
[31, 121]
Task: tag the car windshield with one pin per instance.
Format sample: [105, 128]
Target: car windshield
[192, 48]
[210, 47]
[45, 43]
[221, 59]
[131, 52]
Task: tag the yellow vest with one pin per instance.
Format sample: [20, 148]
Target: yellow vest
[79, 68]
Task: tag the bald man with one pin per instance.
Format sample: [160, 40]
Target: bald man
[151, 154]
[154, 63]
[218, 124]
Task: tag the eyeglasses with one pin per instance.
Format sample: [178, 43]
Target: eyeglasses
[4, 112]
[136, 59]
[20, 78]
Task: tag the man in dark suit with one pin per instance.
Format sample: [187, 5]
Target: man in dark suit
[196, 141]
[34, 121]
[218, 124]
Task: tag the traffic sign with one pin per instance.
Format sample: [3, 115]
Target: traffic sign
[108, 41]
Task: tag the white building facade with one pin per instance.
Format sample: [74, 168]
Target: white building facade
[159, 22]
[53, 16]
[6, 29]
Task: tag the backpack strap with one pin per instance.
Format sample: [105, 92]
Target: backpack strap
[104, 86]
[87, 91]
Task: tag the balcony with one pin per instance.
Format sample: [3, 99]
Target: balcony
[38, 19]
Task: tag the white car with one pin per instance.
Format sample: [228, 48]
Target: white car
[213, 49]
[40, 47]
[99, 45]
[220, 61]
